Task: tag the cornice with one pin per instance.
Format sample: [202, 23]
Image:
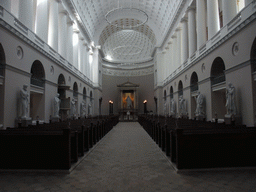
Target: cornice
[137, 72]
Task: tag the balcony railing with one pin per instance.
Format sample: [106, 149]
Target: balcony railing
[194, 87]
[37, 82]
[218, 79]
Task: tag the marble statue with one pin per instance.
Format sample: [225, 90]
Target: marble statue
[56, 105]
[24, 101]
[230, 103]
[83, 108]
[182, 105]
[73, 107]
[173, 107]
[200, 105]
[90, 108]
[129, 102]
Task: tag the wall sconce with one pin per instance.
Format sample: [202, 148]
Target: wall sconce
[145, 106]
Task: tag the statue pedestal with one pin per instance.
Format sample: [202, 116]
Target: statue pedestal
[200, 117]
[24, 122]
[236, 120]
[55, 119]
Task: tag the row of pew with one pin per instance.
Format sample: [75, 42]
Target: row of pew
[192, 144]
[52, 145]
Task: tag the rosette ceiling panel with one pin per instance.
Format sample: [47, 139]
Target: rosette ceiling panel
[128, 31]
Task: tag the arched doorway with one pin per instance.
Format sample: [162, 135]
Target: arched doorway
[65, 102]
[165, 103]
[2, 65]
[74, 102]
[37, 97]
[218, 81]
[90, 105]
[194, 92]
[180, 92]
[253, 64]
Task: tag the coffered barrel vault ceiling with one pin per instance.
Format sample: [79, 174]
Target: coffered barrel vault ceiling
[133, 45]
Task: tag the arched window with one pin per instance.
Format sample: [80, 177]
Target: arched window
[2, 60]
[61, 80]
[194, 82]
[217, 71]
[84, 94]
[171, 92]
[75, 90]
[180, 88]
[37, 74]
[253, 55]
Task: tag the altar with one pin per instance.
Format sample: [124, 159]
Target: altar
[128, 101]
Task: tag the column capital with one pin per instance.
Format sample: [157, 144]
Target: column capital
[184, 19]
[191, 8]
[178, 29]
[63, 12]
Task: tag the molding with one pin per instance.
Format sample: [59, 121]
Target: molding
[204, 53]
[40, 46]
[14, 69]
[51, 83]
[237, 67]
[137, 72]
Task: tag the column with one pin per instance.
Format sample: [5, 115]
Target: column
[178, 48]
[69, 40]
[6, 4]
[95, 67]
[201, 22]
[184, 40]
[75, 48]
[26, 13]
[213, 19]
[80, 52]
[41, 27]
[171, 57]
[62, 31]
[191, 30]
[229, 11]
[85, 60]
[174, 50]
[53, 24]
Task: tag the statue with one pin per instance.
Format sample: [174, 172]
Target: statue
[230, 96]
[56, 105]
[24, 101]
[165, 107]
[173, 107]
[200, 105]
[73, 107]
[182, 106]
[90, 108]
[129, 102]
[83, 108]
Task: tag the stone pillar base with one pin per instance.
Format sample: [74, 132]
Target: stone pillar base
[200, 117]
[55, 119]
[24, 122]
[236, 120]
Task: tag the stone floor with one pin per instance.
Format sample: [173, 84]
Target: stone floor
[127, 159]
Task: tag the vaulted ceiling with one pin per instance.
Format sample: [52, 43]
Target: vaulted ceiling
[128, 31]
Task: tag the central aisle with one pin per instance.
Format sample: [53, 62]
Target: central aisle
[128, 159]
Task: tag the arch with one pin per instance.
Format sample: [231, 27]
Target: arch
[164, 95]
[61, 80]
[171, 92]
[90, 95]
[253, 55]
[217, 71]
[37, 74]
[194, 82]
[180, 88]
[75, 90]
[2, 55]
[84, 93]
